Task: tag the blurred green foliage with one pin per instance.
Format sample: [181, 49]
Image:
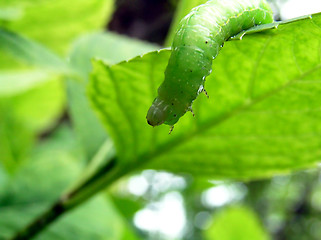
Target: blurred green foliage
[53, 165]
[55, 23]
[236, 223]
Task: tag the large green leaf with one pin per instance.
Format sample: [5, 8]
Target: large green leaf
[233, 223]
[55, 164]
[112, 48]
[262, 117]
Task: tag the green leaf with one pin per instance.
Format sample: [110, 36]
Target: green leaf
[37, 94]
[49, 66]
[30, 52]
[15, 82]
[54, 165]
[39, 107]
[262, 117]
[25, 115]
[183, 8]
[41, 96]
[15, 140]
[10, 14]
[112, 48]
[57, 23]
[264, 27]
[95, 219]
[236, 223]
[109, 46]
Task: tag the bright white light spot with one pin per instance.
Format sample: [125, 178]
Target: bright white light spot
[164, 181]
[216, 196]
[223, 194]
[166, 217]
[137, 185]
[178, 183]
[297, 8]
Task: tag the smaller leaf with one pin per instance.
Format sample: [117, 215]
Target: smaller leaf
[56, 24]
[15, 140]
[40, 106]
[239, 223]
[10, 13]
[30, 52]
[15, 82]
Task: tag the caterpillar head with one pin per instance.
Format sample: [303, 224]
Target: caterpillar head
[161, 112]
[156, 114]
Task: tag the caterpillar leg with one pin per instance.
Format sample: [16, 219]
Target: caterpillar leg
[204, 91]
[171, 129]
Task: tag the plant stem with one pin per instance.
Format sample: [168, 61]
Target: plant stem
[40, 223]
[101, 178]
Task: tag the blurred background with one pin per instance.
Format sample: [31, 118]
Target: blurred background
[155, 205]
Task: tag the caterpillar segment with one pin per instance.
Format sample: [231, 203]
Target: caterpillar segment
[198, 40]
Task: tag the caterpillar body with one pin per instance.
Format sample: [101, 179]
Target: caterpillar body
[199, 38]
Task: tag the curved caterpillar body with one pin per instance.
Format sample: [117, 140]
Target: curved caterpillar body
[199, 38]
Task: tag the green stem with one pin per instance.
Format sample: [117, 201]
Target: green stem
[40, 223]
[101, 178]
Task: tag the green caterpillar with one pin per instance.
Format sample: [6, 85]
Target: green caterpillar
[199, 38]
